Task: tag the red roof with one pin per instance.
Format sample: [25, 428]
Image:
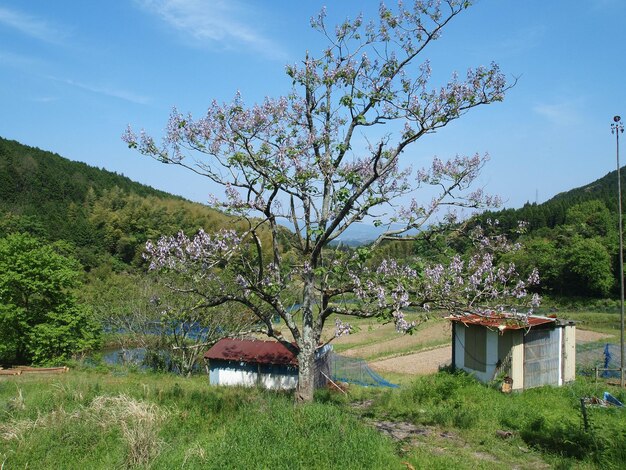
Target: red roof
[501, 321]
[251, 351]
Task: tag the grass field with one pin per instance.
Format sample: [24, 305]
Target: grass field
[93, 420]
[602, 322]
[114, 418]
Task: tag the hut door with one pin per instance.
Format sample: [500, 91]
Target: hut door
[541, 357]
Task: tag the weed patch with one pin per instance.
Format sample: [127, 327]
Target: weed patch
[101, 421]
[139, 423]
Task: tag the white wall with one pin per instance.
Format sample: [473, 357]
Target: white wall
[517, 360]
[569, 353]
[231, 376]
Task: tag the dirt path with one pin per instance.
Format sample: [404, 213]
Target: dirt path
[421, 363]
[586, 336]
[428, 362]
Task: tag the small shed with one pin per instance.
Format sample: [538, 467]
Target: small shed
[267, 364]
[531, 350]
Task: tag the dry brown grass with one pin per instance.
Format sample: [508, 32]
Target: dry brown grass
[17, 402]
[139, 423]
[196, 452]
[17, 429]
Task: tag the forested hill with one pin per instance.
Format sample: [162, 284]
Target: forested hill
[101, 214]
[22, 166]
[553, 212]
[572, 239]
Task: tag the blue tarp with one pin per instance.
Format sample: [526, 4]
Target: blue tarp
[612, 400]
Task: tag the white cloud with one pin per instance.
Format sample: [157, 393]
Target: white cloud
[17, 60]
[45, 99]
[523, 40]
[217, 22]
[31, 26]
[561, 113]
[106, 91]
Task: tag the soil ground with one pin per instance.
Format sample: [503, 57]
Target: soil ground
[587, 336]
[430, 334]
[421, 363]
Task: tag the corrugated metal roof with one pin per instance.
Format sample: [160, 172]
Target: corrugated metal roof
[251, 351]
[501, 321]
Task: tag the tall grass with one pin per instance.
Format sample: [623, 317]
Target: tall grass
[89, 420]
[547, 420]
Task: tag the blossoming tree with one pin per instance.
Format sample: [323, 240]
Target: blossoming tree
[294, 159]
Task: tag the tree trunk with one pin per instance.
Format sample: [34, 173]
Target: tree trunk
[306, 374]
[307, 344]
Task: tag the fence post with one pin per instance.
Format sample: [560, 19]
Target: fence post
[584, 412]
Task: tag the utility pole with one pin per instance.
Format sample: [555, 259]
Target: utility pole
[616, 128]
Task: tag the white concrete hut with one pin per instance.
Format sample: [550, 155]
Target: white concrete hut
[531, 351]
[266, 364]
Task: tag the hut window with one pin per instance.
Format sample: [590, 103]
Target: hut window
[476, 348]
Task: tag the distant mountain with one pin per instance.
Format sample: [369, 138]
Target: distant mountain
[361, 234]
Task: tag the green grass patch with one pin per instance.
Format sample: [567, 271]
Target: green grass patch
[602, 322]
[546, 421]
[141, 420]
[93, 420]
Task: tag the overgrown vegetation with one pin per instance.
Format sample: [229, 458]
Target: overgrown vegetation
[572, 239]
[103, 420]
[71, 240]
[157, 421]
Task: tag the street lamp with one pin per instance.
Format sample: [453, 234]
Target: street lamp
[616, 128]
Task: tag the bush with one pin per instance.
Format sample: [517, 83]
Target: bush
[40, 318]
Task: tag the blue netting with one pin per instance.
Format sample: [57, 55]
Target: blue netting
[600, 355]
[356, 371]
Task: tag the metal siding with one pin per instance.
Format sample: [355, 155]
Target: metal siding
[278, 377]
[459, 341]
[476, 348]
[505, 344]
[542, 350]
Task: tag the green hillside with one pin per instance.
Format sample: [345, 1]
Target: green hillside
[100, 213]
[552, 212]
[105, 220]
[572, 239]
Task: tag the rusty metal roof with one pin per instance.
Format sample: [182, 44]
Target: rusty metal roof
[502, 321]
[251, 351]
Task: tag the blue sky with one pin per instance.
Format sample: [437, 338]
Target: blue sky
[73, 74]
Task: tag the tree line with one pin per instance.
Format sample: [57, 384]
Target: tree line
[572, 239]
